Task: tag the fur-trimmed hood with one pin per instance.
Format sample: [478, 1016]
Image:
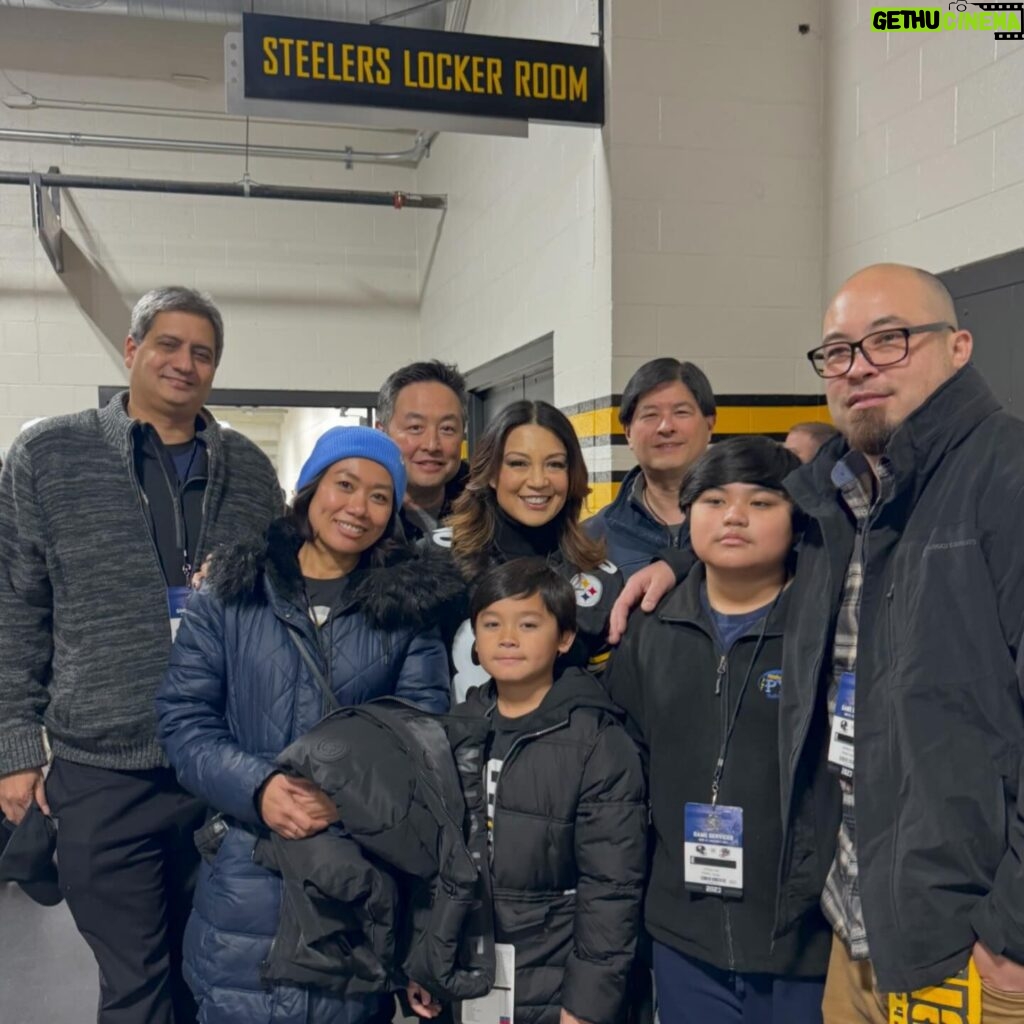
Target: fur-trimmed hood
[412, 591]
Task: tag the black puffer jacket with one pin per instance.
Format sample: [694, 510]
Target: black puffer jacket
[396, 887]
[570, 853]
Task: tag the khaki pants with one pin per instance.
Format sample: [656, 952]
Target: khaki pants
[851, 996]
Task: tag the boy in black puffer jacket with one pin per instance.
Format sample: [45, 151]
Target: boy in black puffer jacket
[566, 809]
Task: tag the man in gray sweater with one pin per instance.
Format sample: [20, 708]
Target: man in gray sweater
[103, 515]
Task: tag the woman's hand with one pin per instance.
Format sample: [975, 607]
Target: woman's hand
[422, 1002]
[295, 808]
[646, 588]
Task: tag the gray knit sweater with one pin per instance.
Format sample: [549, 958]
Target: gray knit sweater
[84, 632]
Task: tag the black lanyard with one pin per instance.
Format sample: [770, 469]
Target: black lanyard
[716, 779]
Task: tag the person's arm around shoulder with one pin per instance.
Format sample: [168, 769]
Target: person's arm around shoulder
[192, 721]
[424, 678]
[611, 862]
[647, 586]
[26, 641]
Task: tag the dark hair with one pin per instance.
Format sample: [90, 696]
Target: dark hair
[474, 513]
[821, 432]
[739, 460]
[392, 546]
[432, 371]
[664, 371]
[522, 578]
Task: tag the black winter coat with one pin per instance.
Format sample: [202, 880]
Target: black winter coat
[569, 853]
[940, 675]
[394, 888]
[680, 696]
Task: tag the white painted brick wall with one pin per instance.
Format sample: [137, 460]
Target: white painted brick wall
[715, 143]
[931, 172]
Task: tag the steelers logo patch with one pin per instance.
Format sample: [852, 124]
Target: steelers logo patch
[588, 589]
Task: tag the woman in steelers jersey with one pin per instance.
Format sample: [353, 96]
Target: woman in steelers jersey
[527, 483]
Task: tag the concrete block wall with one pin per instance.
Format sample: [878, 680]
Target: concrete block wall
[716, 159]
[925, 140]
[314, 296]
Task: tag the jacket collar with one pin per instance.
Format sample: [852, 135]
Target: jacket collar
[625, 509]
[409, 593]
[917, 447]
[683, 605]
[117, 427]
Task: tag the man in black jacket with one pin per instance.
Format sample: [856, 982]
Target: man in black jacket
[904, 667]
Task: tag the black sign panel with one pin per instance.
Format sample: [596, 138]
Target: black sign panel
[413, 69]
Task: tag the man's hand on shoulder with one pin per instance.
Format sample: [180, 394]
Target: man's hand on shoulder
[18, 790]
[568, 1018]
[998, 972]
[646, 587]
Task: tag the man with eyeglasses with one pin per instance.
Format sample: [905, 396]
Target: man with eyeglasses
[901, 718]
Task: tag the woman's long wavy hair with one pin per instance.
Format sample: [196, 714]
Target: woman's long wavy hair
[474, 513]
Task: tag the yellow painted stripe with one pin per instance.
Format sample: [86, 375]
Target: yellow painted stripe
[731, 419]
[601, 494]
[596, 422]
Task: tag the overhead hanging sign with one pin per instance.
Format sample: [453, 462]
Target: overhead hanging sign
[339, 63]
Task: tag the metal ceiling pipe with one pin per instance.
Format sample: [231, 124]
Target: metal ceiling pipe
[247, 190]
[346, 155]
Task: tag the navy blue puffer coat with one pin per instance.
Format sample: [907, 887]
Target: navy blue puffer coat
[236, 693]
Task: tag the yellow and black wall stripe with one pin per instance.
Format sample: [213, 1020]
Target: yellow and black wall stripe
[597, 425]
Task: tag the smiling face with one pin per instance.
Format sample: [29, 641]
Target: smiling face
[518, 640]
[172, 367]
[533, 482]
[668, 432]
[870, 402]
[741, 527]
[350, 509]
[427, 426]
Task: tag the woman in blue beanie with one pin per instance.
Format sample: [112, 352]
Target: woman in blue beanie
[332, 608]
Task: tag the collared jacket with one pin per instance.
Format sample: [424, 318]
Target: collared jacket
[634, 537]
[236, 693]
[569, 852]
[940, 674]
[84, 622]
[681, 693]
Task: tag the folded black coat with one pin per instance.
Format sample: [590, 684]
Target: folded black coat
[397, 889]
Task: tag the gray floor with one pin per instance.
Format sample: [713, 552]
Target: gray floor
[47, 973]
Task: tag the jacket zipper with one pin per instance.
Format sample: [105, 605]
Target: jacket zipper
[721, 676]
[180, 539]
[140, 494]
[516, 743]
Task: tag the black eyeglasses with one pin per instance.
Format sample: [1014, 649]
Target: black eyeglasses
[880, 348]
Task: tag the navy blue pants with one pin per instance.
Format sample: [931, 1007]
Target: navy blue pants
[691, 992]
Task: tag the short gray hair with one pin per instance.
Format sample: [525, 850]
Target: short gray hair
[431, 371]
[177, 299]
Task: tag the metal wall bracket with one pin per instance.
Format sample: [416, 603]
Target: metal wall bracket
[46, 217]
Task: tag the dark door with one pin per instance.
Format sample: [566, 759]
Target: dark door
[989, 297]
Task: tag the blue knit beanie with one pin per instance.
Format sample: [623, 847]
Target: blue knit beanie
[355, 443]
